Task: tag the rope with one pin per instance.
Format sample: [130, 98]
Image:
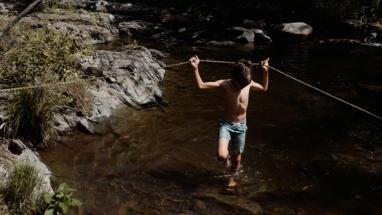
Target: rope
[293, 78]
[38, 86]
[218, 62]
[203, 61]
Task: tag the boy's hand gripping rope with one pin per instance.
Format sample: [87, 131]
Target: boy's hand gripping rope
[290, 77]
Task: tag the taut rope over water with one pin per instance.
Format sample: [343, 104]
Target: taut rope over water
[216, 62]
[290, 77]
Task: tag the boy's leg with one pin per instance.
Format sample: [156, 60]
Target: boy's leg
[238, 143]
[223, 140]
[222, 151]
[235, 159]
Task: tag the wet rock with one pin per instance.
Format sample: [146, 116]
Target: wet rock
[261, 36]
[85, 27]
[85, 126]
[221, 43]
[247, 23]
[182, 30]
[135, 27]
[157, 54]
[297, 28]
[244, 35]
[341, 43]
[372, 38]
[137, 74]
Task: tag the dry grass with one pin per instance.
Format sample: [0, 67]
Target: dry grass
[18, 189]
[40, 56]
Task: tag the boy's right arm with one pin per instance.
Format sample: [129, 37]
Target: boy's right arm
[200, 83]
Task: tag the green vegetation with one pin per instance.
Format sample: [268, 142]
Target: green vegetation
[17, 197]
[17, 191]
[40, 56]
[60, 201]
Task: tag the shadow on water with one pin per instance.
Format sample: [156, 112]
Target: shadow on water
[305, 154]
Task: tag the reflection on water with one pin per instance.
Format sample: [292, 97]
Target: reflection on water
[305, 154]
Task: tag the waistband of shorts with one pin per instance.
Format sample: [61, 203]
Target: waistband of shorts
[244, 121]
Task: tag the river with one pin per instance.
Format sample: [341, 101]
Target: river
[305, 153]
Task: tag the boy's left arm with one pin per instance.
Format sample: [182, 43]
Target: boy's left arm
[265, 79]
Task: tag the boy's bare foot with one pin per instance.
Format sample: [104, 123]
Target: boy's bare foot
[231, 182]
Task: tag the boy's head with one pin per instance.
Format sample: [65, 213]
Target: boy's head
[241, 73]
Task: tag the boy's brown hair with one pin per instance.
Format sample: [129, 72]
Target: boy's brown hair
[242, 73]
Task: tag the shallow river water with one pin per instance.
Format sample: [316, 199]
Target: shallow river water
[305, 154]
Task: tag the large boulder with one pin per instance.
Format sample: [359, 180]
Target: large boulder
[128, 76]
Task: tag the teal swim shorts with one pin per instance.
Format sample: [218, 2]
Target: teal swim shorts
[233, 132]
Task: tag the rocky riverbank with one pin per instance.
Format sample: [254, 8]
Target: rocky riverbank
[128, 76]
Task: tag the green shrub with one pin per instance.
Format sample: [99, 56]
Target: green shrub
[17, 191]
[61, 201]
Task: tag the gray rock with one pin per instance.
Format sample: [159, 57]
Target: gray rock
[182, 30]
[98, 5]
[8, 160]
[221, 43]
[32, 158]
[296, 28]
[3, 9]
[85, 126]
[261, 36]
[133, 27]
[116, 7]
[245, 35]
[85, 27]
[129, 76]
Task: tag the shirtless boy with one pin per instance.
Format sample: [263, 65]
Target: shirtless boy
[232, 127]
